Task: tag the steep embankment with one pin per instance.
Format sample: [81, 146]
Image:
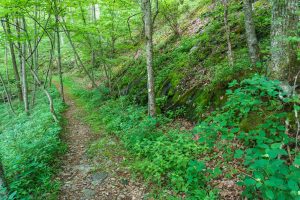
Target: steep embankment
[191, 70]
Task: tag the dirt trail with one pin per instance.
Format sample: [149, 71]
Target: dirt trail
[81, 177]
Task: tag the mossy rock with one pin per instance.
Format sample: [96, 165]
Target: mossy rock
[251, 121]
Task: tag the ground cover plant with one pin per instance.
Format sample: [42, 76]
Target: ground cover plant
[30, 149]
[172, 159]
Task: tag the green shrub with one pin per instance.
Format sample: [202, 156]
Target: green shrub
[29, 149]
[275, 173]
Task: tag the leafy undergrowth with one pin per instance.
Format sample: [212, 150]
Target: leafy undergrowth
[165, 157]
[29, 149]
[246, 142]
[259, 117]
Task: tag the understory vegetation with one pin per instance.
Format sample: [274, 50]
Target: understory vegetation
[202, 95]
[252, 136]
[30, 147]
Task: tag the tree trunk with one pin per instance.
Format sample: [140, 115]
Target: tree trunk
[283, 52]
[50, 64]
[7, 29]
[23, 70]
[77, 55]
[59, 56]
[94, 20]
[227, 30]
[89, 40]
[250, 33]
[18, 30]
[107, 75]
[51, 106]
[7, 94]
[35, 54]
[149, 56]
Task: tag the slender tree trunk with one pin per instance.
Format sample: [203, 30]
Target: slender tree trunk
[107, 75]
[7, 94]
[89, 41]
[18, 30]
[7, 72]
[62, 40]
[284, 25]
[23, 70]
[95, 16]
[77, 55]
[50, 69]
[250, 32]
[59, 59]
[6, 89]
[149, 54]
[51, 106]
[6, 63]
[35, 55]
[227, 30]
[93, 50]
[50, 65]
[13, 57]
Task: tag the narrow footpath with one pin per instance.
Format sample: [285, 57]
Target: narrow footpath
[81, 176]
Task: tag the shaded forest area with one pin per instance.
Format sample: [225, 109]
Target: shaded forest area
[199, 98]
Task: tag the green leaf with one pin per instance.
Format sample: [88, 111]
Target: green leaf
[233, 83]
[235, 130]
[276, 146]
[216, 172]
[275, 182]
[297, 161]
[238, 154]
[249, 182]
[293, 185]
[273, 153]
[228, 92]
[270, 194]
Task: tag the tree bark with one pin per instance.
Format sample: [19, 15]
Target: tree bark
[89, 40]
[50, 64]
[59, 61]
[149, 56]
[58, 42]
[94, 20]
[51, 106]
[23, 70]
[18, 30]
[7, 29]
[77, 55]
[283, 52]
[250, 32]
[7, 94]
[35, 53]
[227, 30]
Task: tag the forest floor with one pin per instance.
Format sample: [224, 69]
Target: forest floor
[86, 178]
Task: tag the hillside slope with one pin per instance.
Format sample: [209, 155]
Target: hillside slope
[192, 70]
